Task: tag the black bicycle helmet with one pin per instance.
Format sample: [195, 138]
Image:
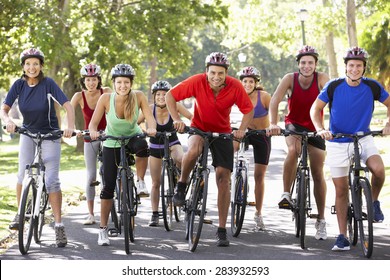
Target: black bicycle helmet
[90, 70]
[356, 53]
[32, 52]
[161, 85]
[307, 50]
[217, 58]
[122, 70]
[249, 71]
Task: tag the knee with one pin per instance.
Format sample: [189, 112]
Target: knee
[106, 195]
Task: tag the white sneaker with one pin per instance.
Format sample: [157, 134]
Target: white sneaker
[90, 220]
[321, 230]
[141, 189]
[259, 222]
[103, 237]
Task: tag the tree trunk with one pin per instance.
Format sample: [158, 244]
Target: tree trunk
[332, 61]
[153, 77]
[351, 23]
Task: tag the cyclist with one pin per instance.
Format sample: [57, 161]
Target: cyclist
[164, 123]
[351, 112]
[36, 95]
[215, 93]
[302, 88]
[91, 85]
[250, 78]
[121, 109]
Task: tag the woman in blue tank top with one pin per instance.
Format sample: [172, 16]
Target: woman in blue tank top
[164, 123]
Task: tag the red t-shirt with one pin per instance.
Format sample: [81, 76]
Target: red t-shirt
[212, 113]
[300, 102]
[88, 112]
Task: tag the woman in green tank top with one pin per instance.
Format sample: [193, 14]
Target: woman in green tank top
[121, 109]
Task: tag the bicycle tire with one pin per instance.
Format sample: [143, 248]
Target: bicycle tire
[238, 205]
[188, 203]
[366, 217]
[125, 209]
[176, 209]
[26, 221]
[198, 210]
[302, 206]
[295, 206]
[352, 227]
[38, 226]
[133, 206]
[166, 190]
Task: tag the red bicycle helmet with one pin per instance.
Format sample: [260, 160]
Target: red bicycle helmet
[32, 52]
[161, 85]
[217, 58]
[307, 50]
[356, 53]
[90, 70]
[249, 71]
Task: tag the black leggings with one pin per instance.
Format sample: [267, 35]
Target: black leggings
[111, 160]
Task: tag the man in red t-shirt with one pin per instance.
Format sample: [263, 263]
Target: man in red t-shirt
[303, 88]
[215, 94]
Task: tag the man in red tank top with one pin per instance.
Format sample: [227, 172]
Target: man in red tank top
[302, 89]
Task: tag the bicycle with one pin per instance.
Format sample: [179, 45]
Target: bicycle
[240, 186]
[126, 192]
[169, 176]
[300, 189]
[195, 205]
[34, 197]
[360, 208]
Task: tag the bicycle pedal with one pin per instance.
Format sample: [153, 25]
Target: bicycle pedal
[143, 195]
[251, 203]
[208, 221]
[314, 216]
[113, 232]
[285, 206]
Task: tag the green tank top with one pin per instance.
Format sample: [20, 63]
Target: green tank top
[120, 127]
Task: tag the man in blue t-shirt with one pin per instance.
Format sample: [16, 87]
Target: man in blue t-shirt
[352, 104]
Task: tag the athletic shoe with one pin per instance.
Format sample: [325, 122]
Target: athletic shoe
[103, 237]
[141, 189]
[15, 223]
[61, 239]
[285, 201]
[179, 197]
[154, 220]
[342, 244]
[259, 222]
[90, 220]
[321, 230]
[222, 240]
[378, 214]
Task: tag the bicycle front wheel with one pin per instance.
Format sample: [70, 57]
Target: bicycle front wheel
[38, 226]
[197, 210]
[166, 190]
[302, 205]
[238, 205]
[365, 218]
[125, 205]
[26, 221]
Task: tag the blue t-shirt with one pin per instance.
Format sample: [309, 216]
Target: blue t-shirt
[352, 107]
[37, 104]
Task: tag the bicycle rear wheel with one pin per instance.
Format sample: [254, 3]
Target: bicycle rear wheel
[352, 228]
[365, 218]
[166, 190]
[238, 205]
[197, 210]
[26, 221]
[302, 206]
[38, 226]
[125, 205]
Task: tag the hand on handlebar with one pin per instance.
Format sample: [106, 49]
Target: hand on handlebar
[325, 134]
[179, 126]
[273, 129]
[151, 132]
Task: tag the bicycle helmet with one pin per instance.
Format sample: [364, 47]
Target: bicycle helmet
[307, 50]
[122, 70]
[161, 85]
[32, 52]
[356, 53]
[217, 58]
[249, 71]
[90, 70]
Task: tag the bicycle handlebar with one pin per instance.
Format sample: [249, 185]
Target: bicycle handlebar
[25, 131]
[195, 131]
[358, 135]
[286, 132]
